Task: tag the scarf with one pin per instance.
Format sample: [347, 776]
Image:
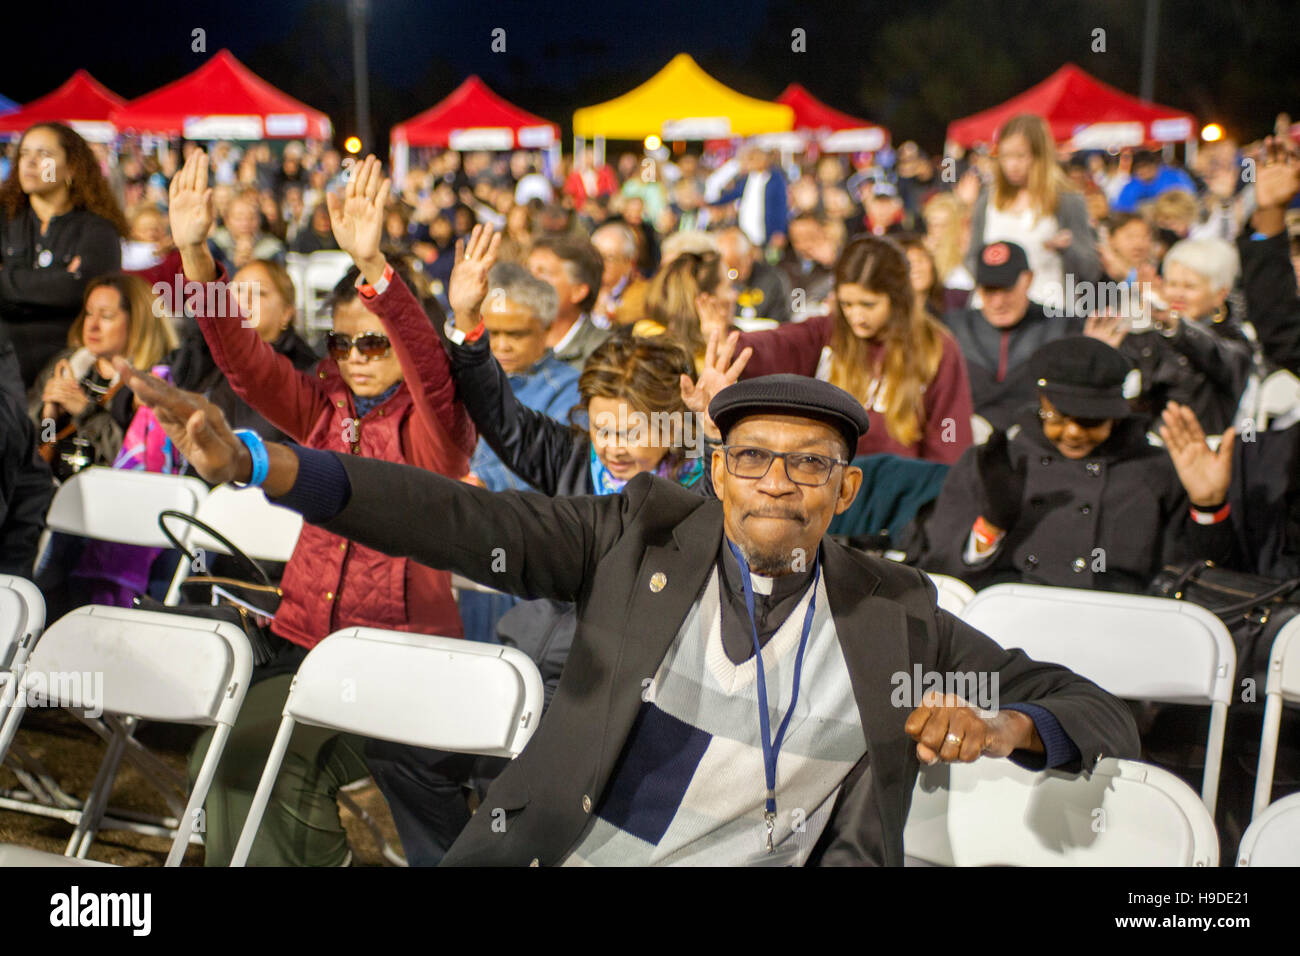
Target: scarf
[686, 473]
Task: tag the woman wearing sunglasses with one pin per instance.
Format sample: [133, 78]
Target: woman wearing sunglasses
[384, 391]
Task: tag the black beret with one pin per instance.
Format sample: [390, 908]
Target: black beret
[791, 395]
[1082, 376]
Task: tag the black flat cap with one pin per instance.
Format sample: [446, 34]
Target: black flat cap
[1082, 376]
[791, 395]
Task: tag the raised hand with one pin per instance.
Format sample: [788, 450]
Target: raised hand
[196, 426]
[357, 217]
[1205, 473]
[189, 202]
[1111, 329]
[718, 372]
[468, 286]
[1277, 179]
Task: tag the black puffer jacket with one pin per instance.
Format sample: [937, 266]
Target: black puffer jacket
[1121, 509]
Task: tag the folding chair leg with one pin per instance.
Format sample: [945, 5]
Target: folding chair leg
[161, 775]
[1214, 755]
[1267, 754]
[97, 800]
[253, 822]
[200, 793]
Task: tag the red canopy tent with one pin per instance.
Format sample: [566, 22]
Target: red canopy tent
[1083, 111]
[837, 132]
[82, 102]
[473, 117]
[222, 99]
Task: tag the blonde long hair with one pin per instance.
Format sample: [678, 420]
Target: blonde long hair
[1046, 181]
[948, 247]
[913, 341]
[149, 338]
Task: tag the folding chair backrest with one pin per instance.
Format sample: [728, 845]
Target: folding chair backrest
[1138, 647]
[1281, 687]
[954, 593]
[1284, 663]
[1279, 398]
[22, 617]
[122, 506]
[148, 664]
[1123, 813]
[1273, 837]
[261, 530]
[324, 270]
[438, 692]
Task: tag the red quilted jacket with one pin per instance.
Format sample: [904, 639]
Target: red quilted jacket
[331, 583]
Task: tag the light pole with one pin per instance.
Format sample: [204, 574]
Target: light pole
[1148, 88]
[360, 81]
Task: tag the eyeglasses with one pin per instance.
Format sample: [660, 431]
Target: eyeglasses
[371, 345]
[801, 467]
[1056, 418]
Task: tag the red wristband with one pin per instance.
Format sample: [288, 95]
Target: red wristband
[369, 291]
[477, 332]
[1210, 517]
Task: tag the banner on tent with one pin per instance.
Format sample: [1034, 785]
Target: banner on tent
[697, 127]
[482, 137]
[222, 127]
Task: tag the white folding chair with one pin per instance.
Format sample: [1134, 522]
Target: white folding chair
[437, 692]
[1135, 647]
[22, 619]
[1282, 687]
[1122, 813]
[925, 834]
[295, 263]
[263, 531]
[1279, 400]
[954, 593]
[1273, 837]
[146, 664]
[121, 506]
[324, 270]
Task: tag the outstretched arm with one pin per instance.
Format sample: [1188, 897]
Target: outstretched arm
[518, 542]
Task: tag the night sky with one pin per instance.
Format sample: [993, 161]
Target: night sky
[912, 66]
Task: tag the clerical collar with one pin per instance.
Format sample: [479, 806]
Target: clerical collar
[778, 588]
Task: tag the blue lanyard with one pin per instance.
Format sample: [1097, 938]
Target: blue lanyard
[772, 748]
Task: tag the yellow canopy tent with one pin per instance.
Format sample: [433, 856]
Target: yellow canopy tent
[681, 101]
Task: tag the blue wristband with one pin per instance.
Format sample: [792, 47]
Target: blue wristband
[261, 460]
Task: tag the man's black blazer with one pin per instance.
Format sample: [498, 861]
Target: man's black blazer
[600, 552]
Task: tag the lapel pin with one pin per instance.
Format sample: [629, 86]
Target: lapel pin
[657, 581]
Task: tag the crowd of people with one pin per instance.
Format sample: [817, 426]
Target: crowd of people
[1042, 342]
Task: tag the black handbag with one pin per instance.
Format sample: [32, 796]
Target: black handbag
[1253, 608]
[249, 600]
